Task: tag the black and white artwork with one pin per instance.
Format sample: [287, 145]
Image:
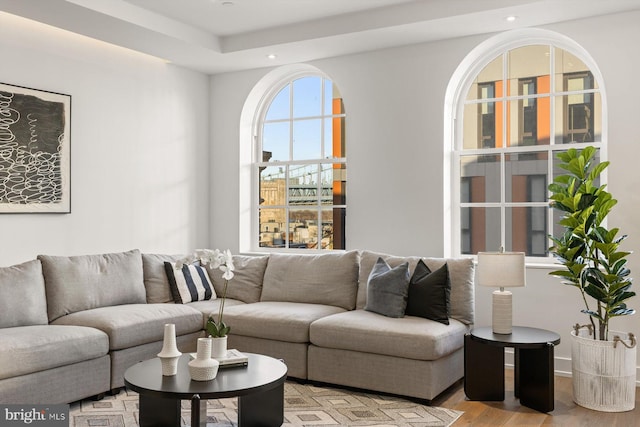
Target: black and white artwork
[34, 151]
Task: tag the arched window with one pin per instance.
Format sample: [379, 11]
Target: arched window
[523, 102]
[299, 166]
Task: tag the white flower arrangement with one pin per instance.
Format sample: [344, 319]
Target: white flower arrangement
[222, 260]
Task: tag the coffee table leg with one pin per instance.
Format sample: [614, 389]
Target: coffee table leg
[198, 412]
[262, 409]
[159, 412]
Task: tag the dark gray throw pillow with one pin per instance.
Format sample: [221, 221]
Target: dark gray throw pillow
[387, 289]
[430, 293]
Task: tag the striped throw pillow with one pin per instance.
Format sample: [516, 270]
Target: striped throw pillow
[191, 283]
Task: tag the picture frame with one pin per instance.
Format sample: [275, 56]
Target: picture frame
[35, 150]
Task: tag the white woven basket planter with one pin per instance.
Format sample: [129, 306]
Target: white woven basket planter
[604, 376]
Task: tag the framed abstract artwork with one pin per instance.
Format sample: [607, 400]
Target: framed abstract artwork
[35, 151]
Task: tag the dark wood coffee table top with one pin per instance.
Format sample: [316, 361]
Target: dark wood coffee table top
[262, 373]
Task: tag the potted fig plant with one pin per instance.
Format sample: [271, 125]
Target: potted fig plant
[603, 361]
[215, 327]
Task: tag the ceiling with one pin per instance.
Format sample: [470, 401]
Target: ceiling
[214, 36]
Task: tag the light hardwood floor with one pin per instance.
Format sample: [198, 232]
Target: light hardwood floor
[511, 413]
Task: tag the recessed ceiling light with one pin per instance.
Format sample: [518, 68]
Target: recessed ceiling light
[227, 3]
[272, 56]
[511, 18]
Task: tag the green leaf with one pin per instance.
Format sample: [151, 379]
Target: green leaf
[576, 168]
[619, 239]
[617, 256]
[224, 330]
[569, 222]
[622, 312]
[216, 330]
[562, 273]
[581, 166]
[592, 314]
[556, 188]
[597, 170]
[565, 156]
[587, 153]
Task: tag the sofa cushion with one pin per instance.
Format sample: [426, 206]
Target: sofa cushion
[461, 272]
[246, 284]
[429, 293]
[77, 283]
[28, 349]
[156, 282]
[280, 321]
[23, 300]
[409, 337]
[387, 289]
[212, 307]
[329, 279]
[130, 325]
[189, 283]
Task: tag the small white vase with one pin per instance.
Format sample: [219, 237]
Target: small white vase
[219, 348]
[203, 367]
[169, 354]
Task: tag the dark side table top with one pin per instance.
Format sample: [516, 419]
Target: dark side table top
[521, 337]
[262, 373]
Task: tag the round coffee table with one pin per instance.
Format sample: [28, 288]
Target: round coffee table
[259, 387]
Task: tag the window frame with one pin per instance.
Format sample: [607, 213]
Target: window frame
[459, 86]
[257, 160]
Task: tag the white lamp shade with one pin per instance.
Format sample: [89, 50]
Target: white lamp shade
[501, 269]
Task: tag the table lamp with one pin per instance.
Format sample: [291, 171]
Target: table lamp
[503, 270]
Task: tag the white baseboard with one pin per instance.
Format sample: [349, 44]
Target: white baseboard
[562, 365]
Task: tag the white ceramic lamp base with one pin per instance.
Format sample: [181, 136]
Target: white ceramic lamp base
[502, 314]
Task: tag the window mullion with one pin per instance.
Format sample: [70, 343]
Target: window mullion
[291, 123]
[505, 140]
[552, 99]
[287, 184]
[287, 206]
[552, 132]
[319, 203]
[503, 209]
[322, 118]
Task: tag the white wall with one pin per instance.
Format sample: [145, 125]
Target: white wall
[141, 163]
[394, 100]
[139, 147]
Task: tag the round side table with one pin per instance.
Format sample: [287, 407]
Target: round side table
[533, 366]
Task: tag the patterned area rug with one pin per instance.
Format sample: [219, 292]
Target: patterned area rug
[305, 405]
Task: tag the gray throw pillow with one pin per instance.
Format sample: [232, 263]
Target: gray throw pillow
[387, 289]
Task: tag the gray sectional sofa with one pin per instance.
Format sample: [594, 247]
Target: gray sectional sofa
[70, 326]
